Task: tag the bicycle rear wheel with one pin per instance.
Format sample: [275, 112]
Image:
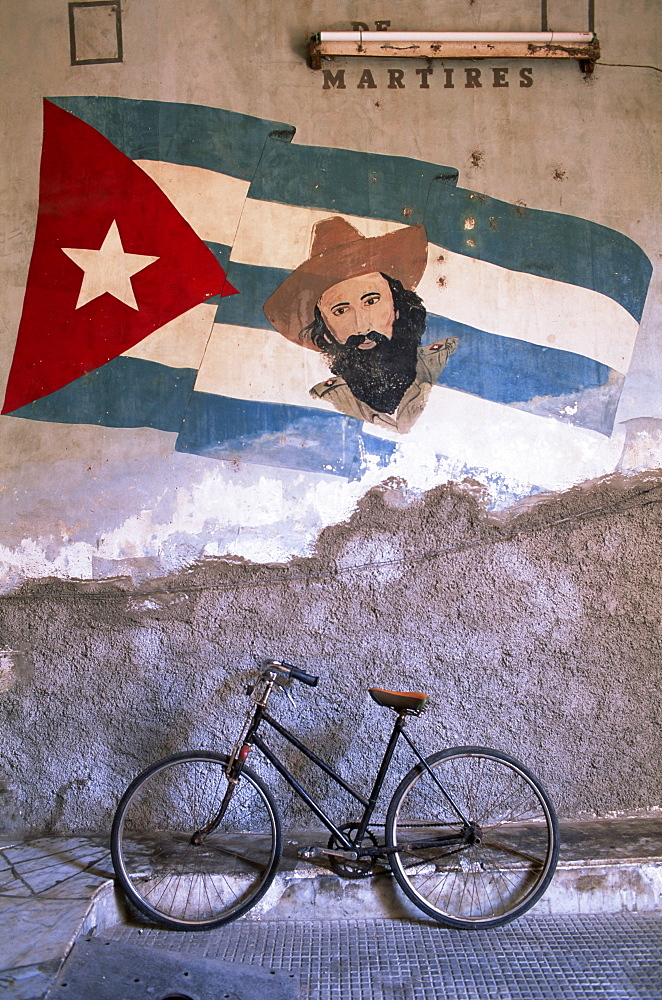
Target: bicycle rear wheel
[165, 872]
[491, 873]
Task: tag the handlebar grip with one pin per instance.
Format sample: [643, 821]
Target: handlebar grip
[301, 675]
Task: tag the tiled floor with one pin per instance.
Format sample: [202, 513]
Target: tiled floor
[597, 957]
[46, 892]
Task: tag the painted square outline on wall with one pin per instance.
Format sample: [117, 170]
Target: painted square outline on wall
[93, 36]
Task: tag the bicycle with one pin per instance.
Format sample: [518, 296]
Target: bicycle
[470, 835]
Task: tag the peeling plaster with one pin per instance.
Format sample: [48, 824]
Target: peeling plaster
[643, 445]
[194, 508]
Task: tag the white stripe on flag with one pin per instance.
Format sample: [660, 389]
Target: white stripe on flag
[180, 343]
[522, 447]
[210, 202]
[527, 307]
[276, 235]
[261, 365]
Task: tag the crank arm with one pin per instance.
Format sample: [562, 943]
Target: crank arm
[317, 852]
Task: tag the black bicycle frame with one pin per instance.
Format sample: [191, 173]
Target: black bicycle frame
[253, 739]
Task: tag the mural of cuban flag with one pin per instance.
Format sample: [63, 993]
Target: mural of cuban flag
[542, 308]
[117, 263]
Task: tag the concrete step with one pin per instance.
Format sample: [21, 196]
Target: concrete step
[605, 866]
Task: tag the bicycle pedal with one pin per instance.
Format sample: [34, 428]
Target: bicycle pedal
[307, 853]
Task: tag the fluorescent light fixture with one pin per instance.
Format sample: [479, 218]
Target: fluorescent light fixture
[386, 37]
[581, 45]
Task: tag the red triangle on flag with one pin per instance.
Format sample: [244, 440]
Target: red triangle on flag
[113, 261]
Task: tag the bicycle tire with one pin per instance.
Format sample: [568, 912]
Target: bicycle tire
[493, 880]
[174, 881]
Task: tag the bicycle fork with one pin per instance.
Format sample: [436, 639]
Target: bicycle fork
[233, 774]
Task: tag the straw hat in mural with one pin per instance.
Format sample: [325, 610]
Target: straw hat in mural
[339, 251]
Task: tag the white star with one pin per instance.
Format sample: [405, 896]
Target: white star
[108, 269]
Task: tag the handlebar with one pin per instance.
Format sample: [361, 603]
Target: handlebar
[294, 672]
[301, 675]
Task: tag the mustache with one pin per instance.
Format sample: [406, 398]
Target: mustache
[357, 339]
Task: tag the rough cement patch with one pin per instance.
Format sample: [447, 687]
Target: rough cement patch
[537, 633]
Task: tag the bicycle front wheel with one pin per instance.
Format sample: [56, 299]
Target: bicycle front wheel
[487, 872]
[170, 867]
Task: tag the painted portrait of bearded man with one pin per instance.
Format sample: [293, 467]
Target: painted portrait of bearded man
[353, 299]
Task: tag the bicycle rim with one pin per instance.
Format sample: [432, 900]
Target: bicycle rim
[175, 881]
[512, 858]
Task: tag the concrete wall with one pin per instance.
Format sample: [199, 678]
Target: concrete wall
[505, 559]
[537, 634]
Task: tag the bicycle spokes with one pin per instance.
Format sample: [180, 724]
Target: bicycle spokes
[486, 873]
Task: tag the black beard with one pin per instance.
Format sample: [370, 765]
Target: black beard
[378, 376]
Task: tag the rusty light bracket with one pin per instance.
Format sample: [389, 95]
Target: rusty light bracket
[581, 45]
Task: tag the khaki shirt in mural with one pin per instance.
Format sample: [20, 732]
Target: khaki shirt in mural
[431, 362]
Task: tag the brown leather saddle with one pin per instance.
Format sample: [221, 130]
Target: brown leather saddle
[407, 702]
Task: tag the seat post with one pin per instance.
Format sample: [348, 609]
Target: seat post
[400, 723]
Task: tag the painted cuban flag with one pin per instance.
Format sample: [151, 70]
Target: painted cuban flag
[139, 202]
[542, 309]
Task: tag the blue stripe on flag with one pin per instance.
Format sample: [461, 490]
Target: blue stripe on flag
[369, 185]
[126, 392]
[255, 285]
[275, 434]
[190, 134]
[502, 369]
[132, 392]
[221, 252]
[506, 370]
[559, 247]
